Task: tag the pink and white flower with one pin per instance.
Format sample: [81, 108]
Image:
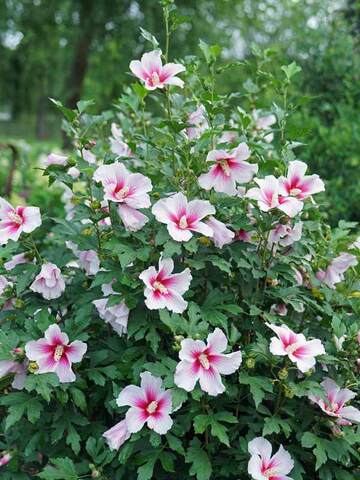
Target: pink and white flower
[4, 284]
[230, 168]
[279, 309]
[228, 136]
[221, 234]
[74, 173]
[205, 363]
[18, 368]
[154, 74]
[299, 185]
[263, 123]
[49, 282]
[88, 156]
[56, 159]
[182, 217]
[116, 315]
[335, 399]
[149, 404]
[300, 351]
[14, 221]
[53, 353]
[285, 235]
[164, 289]
[336, 269]
[265, 466]
[18, 259]
[128, 190]
[89, 261]
[268, 197]
[244, 236]
[117, 144]
[132, 219]
[117, 435]
[5, 459]
[198, 122]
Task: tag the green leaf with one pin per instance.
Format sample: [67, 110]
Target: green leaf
[145, 472]
[274, 425]
[258, 386]
[63, 469]
[149, 37]
[291, 70]
[82, 105]
[70, 115]
[200, 463]
[220, 263]
[220, 431]
[210, 52]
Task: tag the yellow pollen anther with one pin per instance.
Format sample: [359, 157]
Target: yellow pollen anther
[225, 166]
[152, 407]
[183, 222]
[271, 472]
[203, 359]
[58, 352]
[14, 217]
[159, 286]
[295, 191]
[155, 79]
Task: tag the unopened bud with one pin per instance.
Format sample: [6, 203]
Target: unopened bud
[197, 336]
[288, 392]
[283, 374]
[87, 232]
[176, 347]
[18, 352]
[19, 303]
[90, 144]
[95, 205]
[272, 282]
[205, 241]
[71, 162]
[250, 362]
[337, 432]
[178, 338]
[33, 367]
[309, 372]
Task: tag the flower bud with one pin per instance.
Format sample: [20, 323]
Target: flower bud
[283, 374]
[33, 367]
[205, 241]
[87, 232]
[18, 352]
[90, 144]
[250, 362]
[337, 432]
[197, 336]
[272, 282]
[178, 338]
[288, 392]
[95, 205]
[309, 372]
[19, 303]
[71, 162]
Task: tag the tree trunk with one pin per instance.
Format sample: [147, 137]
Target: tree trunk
[81, 56]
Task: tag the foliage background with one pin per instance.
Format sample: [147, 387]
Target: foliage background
[67, 49]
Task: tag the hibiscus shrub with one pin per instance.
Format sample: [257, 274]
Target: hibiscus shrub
[192, 316]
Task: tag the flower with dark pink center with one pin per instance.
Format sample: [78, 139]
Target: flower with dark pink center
[334, 403]
[14, 221]
[269, 197]
[229, 169]
[300, 351]
[154, 74]
[53, 353]
[299, 185]
[149, 404]
[205, 363]
[164, 289]
[182, 217]
[265, 466]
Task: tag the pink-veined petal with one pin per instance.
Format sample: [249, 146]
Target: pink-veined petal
[138, 70]
[75, 351]
[216, 342]
[37, 349]
[55, 336]
[260, 446]
[160, 423]
[131, 396]
[63, 371]
[226, 364]
[210, 381]
[117, 435]
[190, 349]
[135, 419]
[185, 375]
